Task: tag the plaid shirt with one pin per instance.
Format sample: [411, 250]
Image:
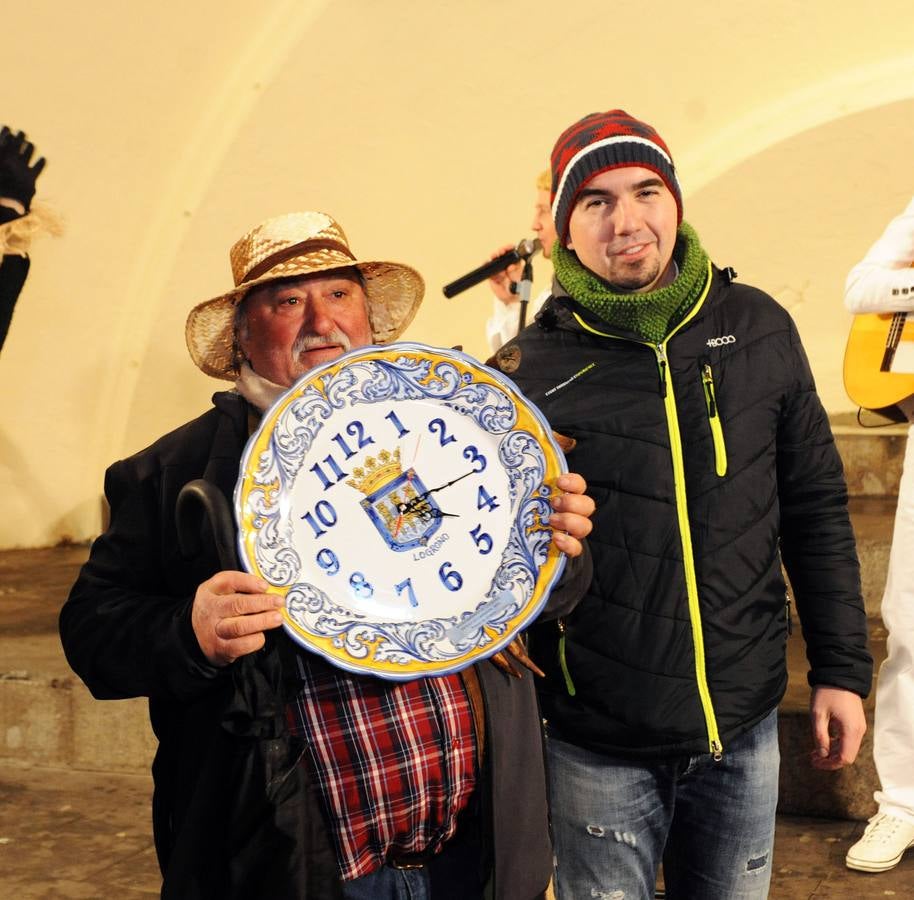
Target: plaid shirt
[396, 762]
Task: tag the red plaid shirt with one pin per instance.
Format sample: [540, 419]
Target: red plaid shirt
[396, 762]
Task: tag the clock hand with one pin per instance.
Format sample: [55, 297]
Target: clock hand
[418, 506]
[441, 487]
[410, 506]
[430, 513]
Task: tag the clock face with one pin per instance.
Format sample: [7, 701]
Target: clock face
[396, 496]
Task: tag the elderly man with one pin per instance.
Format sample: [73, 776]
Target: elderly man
[710, 458]
[433, 787]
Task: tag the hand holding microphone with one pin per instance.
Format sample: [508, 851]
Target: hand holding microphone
[504, 283]
[510, 256]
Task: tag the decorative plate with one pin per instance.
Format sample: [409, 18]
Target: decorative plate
[396, 496]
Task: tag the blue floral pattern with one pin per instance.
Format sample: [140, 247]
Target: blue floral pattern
[401, 372]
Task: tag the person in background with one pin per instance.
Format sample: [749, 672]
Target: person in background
[711, 461]
[18, 223]
[883, 282]
[502, 324]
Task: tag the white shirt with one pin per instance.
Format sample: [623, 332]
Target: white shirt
[502, 324]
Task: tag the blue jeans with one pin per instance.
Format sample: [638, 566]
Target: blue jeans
[712, 823]
[390, 884]
[456, 873]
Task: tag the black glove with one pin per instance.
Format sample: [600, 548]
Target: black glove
[17, 177]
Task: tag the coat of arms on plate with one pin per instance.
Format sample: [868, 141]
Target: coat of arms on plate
[397, 502]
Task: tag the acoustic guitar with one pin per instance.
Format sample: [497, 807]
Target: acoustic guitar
[879, 361]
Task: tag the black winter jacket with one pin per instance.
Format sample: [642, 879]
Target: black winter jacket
[13, 271]
[234, 814]
[710, 459]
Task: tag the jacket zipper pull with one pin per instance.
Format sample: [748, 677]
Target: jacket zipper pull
[717, 431]
[661, 362]
[708, 380]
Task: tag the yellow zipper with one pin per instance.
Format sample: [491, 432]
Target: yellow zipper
[669, 400]
[717, 431]
[688, 560]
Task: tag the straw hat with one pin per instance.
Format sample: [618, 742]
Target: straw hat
[297, 244]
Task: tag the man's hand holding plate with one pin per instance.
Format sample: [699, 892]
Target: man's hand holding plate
[570, 520]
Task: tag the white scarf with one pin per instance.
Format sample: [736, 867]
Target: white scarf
[260, 392]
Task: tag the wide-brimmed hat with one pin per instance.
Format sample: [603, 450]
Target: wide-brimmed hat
[301, 243]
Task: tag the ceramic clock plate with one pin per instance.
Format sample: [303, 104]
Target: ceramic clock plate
[396, 496]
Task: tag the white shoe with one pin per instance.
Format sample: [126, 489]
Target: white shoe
[883, 844]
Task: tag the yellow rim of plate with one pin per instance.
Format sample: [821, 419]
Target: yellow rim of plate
[527, 420]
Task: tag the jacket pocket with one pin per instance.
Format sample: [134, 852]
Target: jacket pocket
[717, 430]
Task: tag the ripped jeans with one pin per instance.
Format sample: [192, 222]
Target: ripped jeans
[712, 823]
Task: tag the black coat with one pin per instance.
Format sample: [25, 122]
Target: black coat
[234, 813]
[13, 271]
[708, 467]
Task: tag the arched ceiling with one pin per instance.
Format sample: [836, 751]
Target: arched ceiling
[421, 126]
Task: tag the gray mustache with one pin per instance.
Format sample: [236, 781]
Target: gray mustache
[308, 342]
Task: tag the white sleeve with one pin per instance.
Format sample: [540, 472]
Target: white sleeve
[883, 281]
[502, 324]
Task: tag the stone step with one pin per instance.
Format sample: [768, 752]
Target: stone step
[48, 718]
[53, 721]
[803, 790]
[873, 520]
[872, 457]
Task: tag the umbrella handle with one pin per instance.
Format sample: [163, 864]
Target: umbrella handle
[199, 501]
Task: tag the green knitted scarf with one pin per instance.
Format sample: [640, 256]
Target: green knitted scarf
[651, 316]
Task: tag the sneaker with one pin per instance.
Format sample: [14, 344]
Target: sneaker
[883, 844]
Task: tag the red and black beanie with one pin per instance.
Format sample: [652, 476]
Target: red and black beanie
[597, 143]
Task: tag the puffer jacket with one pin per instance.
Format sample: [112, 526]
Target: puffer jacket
[711, 460]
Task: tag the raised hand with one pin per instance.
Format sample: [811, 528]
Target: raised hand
[17, 172]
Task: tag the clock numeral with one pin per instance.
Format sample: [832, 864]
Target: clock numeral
[395, 421]
[323, 513]
[437, 425]
[485, 499]
[360, 586]
[328, 561]
[472, 454]
[408, 587]
[318, 470]
[357, 430]
[483, 540]
[450, 577]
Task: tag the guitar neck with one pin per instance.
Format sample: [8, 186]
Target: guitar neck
[892, 338]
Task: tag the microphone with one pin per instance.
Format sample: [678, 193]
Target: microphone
[523, 251]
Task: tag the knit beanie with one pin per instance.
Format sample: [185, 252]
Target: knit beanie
[600, 142]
